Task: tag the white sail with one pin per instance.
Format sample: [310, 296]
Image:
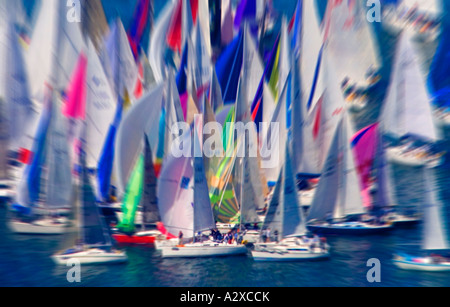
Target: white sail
[276, 138]
[175, 195]
[14, 87]
[284, 66]
[407, 109]
[54, 49]
[121, 67]
[199, 61]
[338, 193]
[294, 223]
[101, 105]
[325, 112]
[203, 21]
[311, 43]
[158, 43]
[4, 136]
[203, 215]
[434, 230]
[305, 157]
[253, 67]
[250, 176]
[269, 106]
[351, 42]
[143, 117]
[248, 188]
[274, 216]
[350, 201]
[174, 113]
[59, 179]
[285, 215]
[385, 195]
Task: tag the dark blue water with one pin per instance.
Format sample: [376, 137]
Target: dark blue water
[25, 260]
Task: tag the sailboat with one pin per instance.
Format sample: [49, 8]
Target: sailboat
[94, 244]
[407, 114]
[422, 18]
[376, 178]
[45, 190]
[191, 210]
[434, 237]
[338, 205]
[285, 217]
[141, 189]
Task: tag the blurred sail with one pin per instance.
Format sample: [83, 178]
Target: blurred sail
[142, 117]
[407, 107]
[58, 163]
[158, 41]
[54, 49]
[94, 24]
[338, 193]
[101, 105]
[351, 41]
[19, 113]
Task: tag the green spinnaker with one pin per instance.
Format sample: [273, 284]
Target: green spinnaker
[132, 198]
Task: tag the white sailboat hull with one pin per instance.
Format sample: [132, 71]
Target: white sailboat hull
[91, 256]
[419, 266]
[203, 250]
[289, 251]
[306, 197]
[6, 194]
[160, 244]
[398, 156]
[42, 227]
[352, 228]
[288, 256]
[6, 190]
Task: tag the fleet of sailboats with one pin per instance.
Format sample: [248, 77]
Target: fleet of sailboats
[96, 125]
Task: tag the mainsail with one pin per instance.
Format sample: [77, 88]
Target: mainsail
[338, 193]
[407, 108]
[58, 163]
[101, 105]
[285, 215]
[14, 88]
[29, 188]
[351, 42]
[54, 49]
[93, 231]
[203, 215]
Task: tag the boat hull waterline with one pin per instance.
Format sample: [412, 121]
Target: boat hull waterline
[200, 250]
[350, 229]
[92, 256]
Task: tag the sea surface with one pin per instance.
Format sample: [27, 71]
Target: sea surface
[25, 260]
